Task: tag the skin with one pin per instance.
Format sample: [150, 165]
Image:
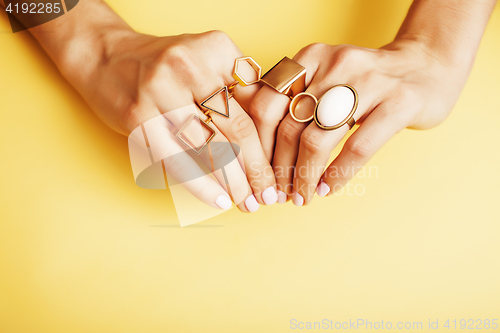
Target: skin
[129, 78]
[413, 82]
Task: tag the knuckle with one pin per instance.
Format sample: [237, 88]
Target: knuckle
[360, 148]
[217, 35]
[260, 113]
[220, 40]
[241, 187]
[369, 77]
[131, 118]
[288, 133]
[175, 164]
[408, 96]
[173, 52]
[309, 51]
[313, 49]
[258, 110]
[241, 128]
[405, 105]
[202, 189]
[347, 54]
[239, 190]
[311, 141]
[177, 58]
[222, 152]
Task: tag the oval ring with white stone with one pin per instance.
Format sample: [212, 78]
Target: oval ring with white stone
[294, 102]
[336, 108]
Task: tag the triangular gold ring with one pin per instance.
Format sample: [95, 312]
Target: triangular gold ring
[206, 103]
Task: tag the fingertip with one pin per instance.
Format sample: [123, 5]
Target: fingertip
[323, 189]
[297, 199]
[282, 197]
[251, 204]
[270, 196]
[224, 202]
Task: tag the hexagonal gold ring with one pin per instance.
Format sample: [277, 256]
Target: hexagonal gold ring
[239, 77]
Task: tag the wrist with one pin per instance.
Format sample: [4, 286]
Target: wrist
[83, 54]
[449, 31]
[83, 38]
[424, 46]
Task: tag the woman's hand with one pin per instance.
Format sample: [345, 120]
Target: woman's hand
[413, 82]
[400, 85]
[142, 77]
[130, 79]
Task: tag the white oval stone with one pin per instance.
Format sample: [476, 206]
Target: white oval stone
[335, 106]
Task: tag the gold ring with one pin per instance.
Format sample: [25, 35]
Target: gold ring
[329, 111]
[286, 77]
[240, 77]
[208, 107]
[294, 102]
[227, 92]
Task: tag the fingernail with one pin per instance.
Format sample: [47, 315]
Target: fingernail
[323, 189]
[251, 204]
[282, 197]
[224, 202]
[269, 196]
[297, 199]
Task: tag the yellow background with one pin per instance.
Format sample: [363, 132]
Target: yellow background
[83, 249]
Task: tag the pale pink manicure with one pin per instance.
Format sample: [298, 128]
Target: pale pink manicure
[323, 189]
[224, 202]
[251, 204]
[282, 197]
[269, 196]
[297, 199]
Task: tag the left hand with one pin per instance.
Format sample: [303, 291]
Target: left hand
[404, 84]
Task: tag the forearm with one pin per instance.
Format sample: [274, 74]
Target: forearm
[450, 29]
[79, 39]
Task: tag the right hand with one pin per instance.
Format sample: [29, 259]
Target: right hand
[141, 77]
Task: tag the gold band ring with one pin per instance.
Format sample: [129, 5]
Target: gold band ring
[294, 103]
